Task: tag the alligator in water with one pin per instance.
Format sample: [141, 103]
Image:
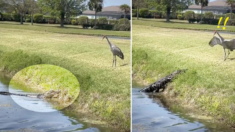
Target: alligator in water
[162, 83]
[47, 95]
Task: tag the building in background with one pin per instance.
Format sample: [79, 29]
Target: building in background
[216, 7]
[110, 12]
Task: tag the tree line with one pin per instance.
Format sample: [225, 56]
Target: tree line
[56, 8]
[170, 6]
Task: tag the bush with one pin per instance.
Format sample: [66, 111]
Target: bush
[121, 27]
[144, 12]
[210, 21]
[231, 22]
[180, 17]
[104, 26]
[134, 13]
[92, 21]
[102, 20]
[7, 17]
[16, 17]
[122, 21]
[74, 22]
[113, 21]
[228, 15]
[27, 20]
[83, 20]
[17, 60]
[189, 14]
[198, 16]
[38, 18]
[209, 15]
[219, 16]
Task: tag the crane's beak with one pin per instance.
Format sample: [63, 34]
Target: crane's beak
[103, 37]
[215, 32]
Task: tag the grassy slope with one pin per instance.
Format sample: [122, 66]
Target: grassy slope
[180, 24]
[68, 29]
[105, 91]
[209, 82]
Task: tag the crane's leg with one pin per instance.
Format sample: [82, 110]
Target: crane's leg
[113, 61]
[228, 53]
[224, 54]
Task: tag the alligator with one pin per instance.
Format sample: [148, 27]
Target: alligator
[162, 83]
[47, 95]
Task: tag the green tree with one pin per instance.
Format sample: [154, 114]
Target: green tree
[95, 5]
[203, 3]
[126, 9]
[18, 6]
[137, 4]
[231, 3]
[62, 8]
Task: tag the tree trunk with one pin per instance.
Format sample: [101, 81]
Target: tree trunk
[168, 14]
[201, 12]
[231, 11]
[95, 19]
[62, 19]
[31, 19]
[137, 13]
[21, 18]
[125, 18]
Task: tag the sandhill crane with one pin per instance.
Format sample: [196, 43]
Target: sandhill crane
[227, 44]
[115, 50]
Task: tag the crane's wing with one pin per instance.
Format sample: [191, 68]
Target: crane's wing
[214, 41]
[117, 52]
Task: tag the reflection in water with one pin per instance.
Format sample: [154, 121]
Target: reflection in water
[149, 114]
[15, 118]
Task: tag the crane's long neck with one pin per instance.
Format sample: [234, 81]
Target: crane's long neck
[109, 42]
[220, 37]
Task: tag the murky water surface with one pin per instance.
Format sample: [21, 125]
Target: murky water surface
[150, 115]
[15, 118]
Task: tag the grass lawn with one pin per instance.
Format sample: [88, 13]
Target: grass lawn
[208, 83]
[68, 29]
[180, 24]
[104, 90]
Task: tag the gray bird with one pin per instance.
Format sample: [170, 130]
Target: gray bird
[115, 50]
[227, 44]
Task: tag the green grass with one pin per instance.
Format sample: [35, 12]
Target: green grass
[209, 82]
[68, 29]
[180, 24]
[104, 90]
[46, 77]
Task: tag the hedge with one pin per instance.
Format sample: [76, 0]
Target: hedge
[180, 17]
[121, 21]
[189, 15]
[209, 15]
[134, 13]
[144, 12]
[38, 18]
[103, 20]
[83, 20]
[7, 17]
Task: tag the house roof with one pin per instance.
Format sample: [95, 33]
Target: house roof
[114, 10]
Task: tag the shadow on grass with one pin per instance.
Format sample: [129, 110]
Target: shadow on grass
[124, 64]
[163, 21]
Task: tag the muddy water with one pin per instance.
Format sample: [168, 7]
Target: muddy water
[15, 118]
[150, 114]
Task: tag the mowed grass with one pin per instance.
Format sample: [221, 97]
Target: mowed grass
[180, 24]
[208, 83]
[104, 90]
[68, 29]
